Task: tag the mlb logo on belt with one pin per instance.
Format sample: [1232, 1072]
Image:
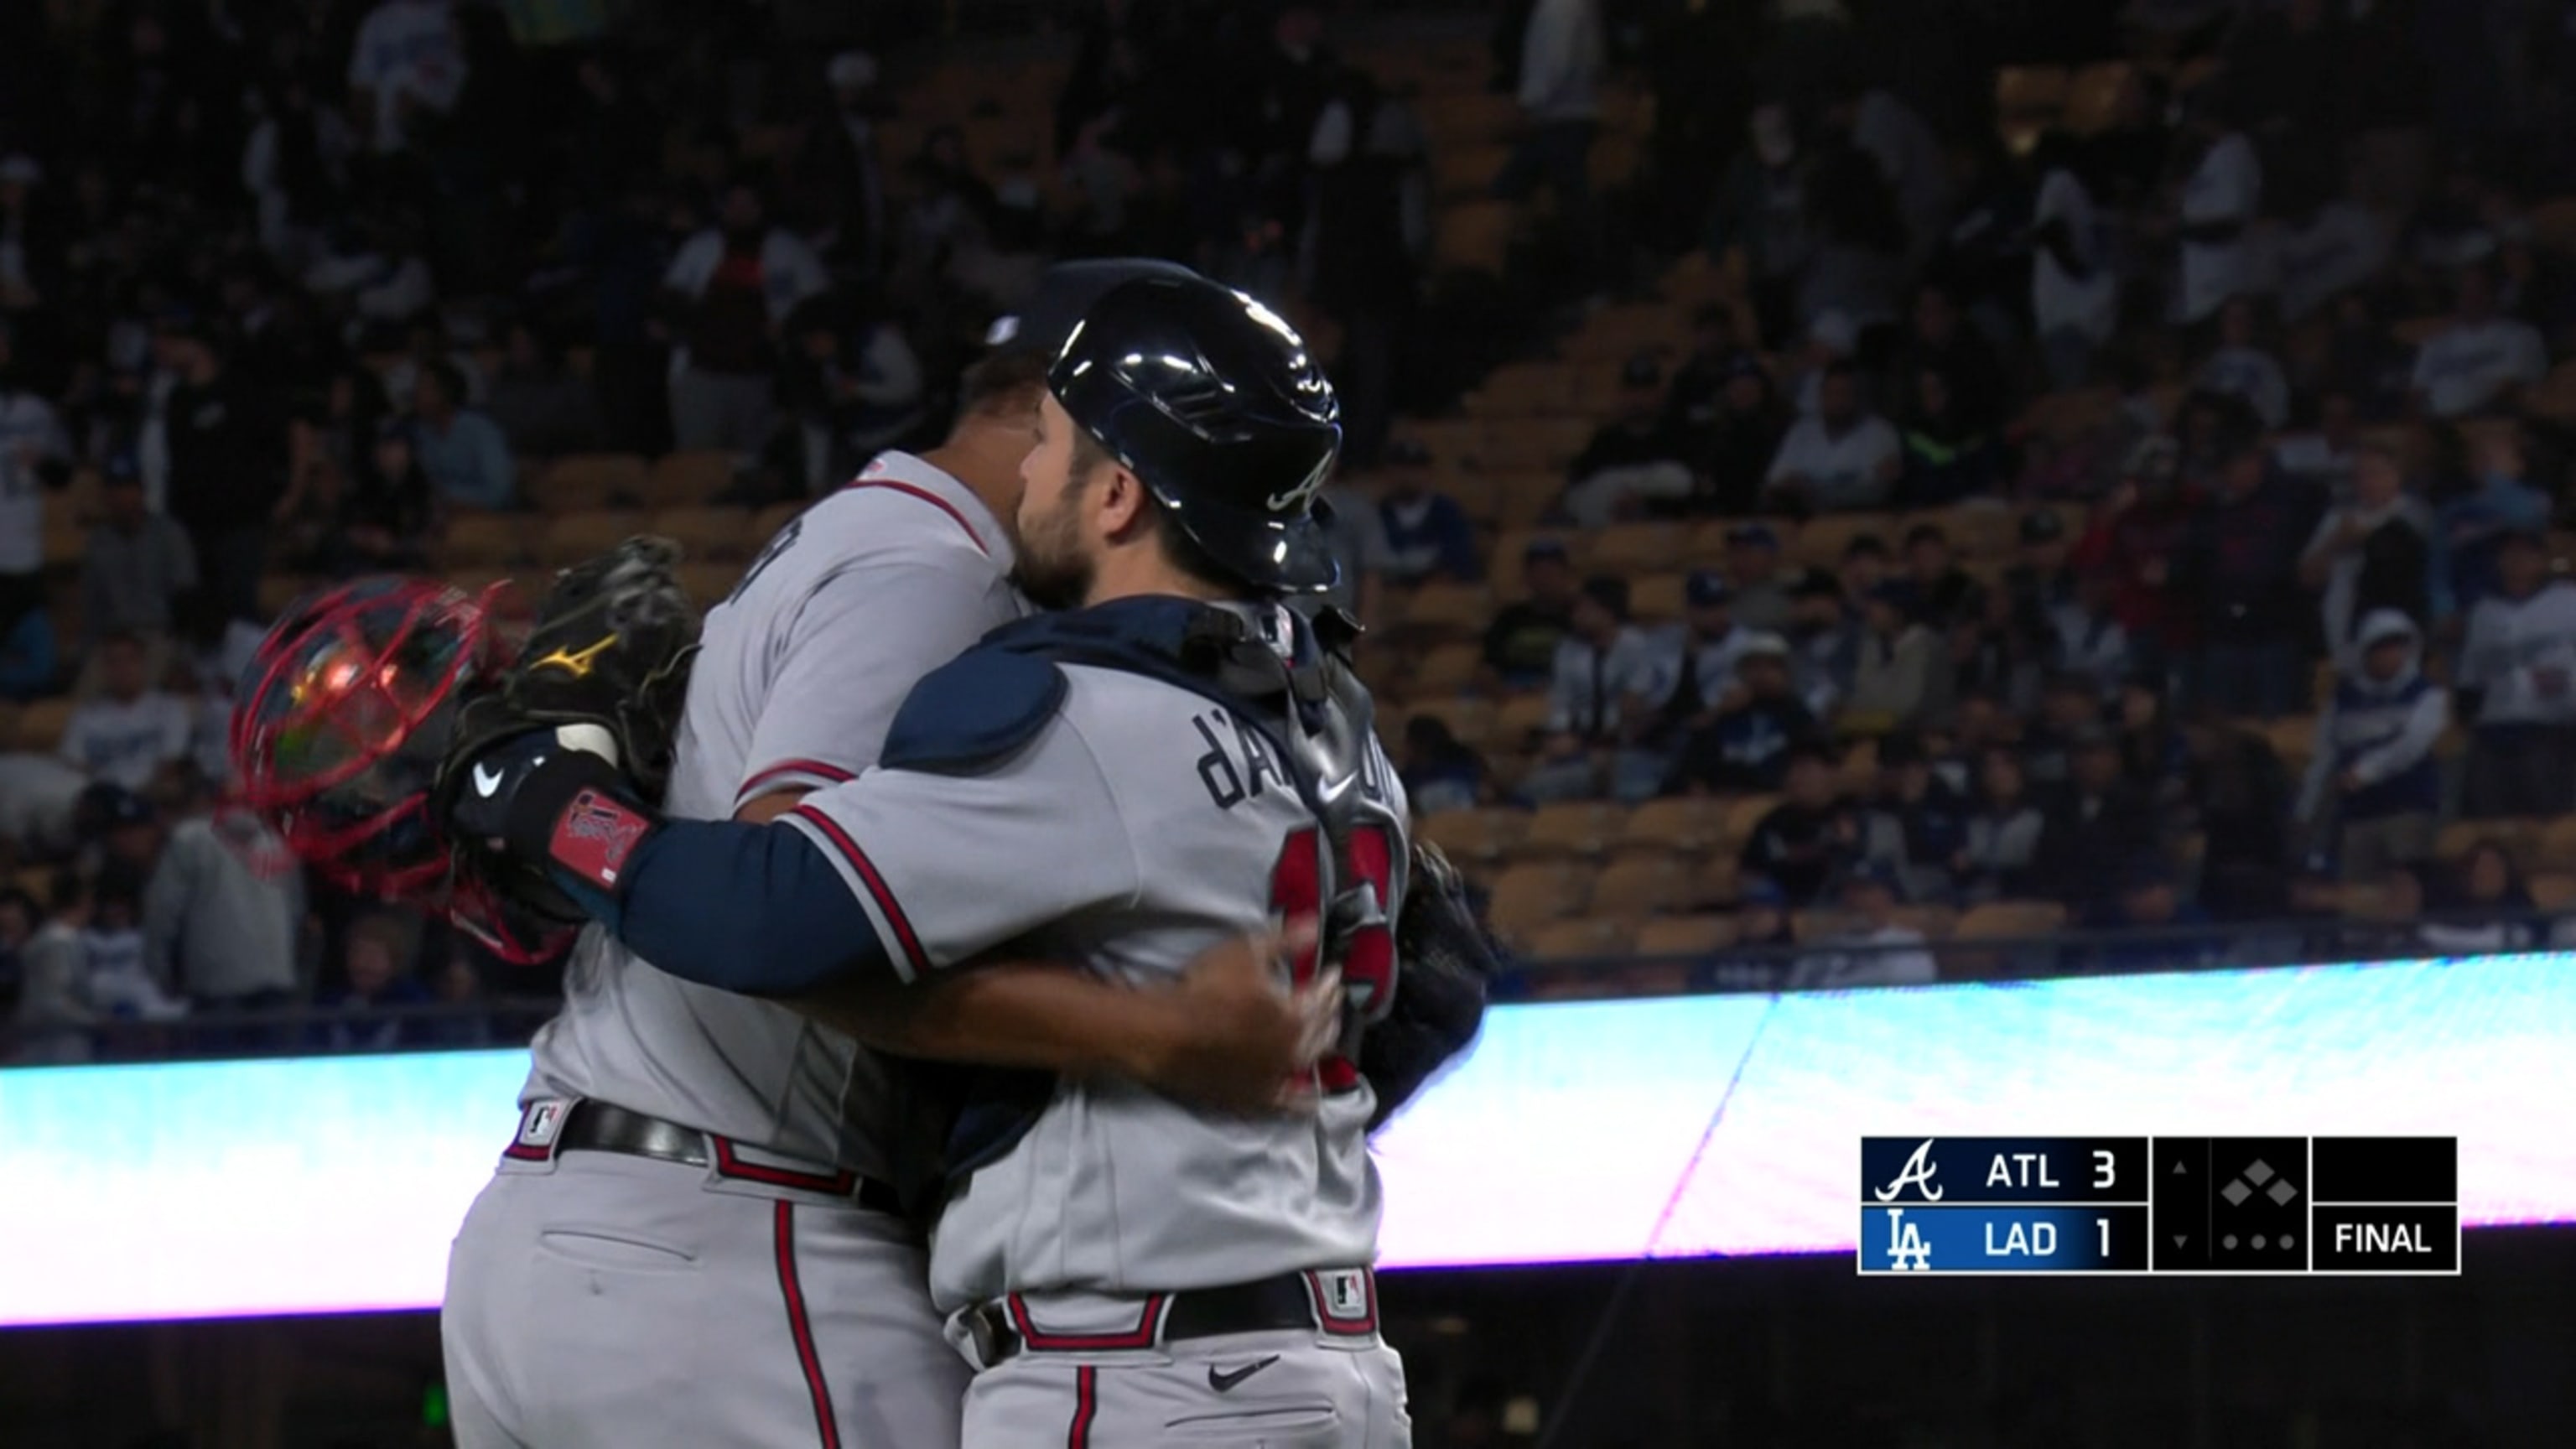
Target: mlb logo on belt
[1345, 1300]
[539, 1123]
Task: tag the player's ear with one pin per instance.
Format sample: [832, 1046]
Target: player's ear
[1122, 501]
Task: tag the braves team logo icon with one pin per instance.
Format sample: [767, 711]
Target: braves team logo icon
[595, 836]
[1906, 1250]
[1918, 1172]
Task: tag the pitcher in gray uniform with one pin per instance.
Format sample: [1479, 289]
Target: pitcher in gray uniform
[1179, 760]
[694, 1239]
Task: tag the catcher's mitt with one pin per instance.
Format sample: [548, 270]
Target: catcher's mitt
[611, 648]
[1446, 959]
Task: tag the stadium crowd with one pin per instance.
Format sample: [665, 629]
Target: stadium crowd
[1810, 512]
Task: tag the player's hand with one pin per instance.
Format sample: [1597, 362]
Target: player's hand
[1238, 1039]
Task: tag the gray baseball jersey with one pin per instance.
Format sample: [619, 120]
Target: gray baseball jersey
[801, 671]
[1142, 825]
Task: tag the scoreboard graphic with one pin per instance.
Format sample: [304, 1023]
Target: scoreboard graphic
[2159, 1205]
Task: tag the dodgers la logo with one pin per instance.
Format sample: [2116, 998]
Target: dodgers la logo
[1918, 1172]
[1906, 1250]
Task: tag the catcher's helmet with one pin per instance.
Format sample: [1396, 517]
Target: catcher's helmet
[1215, 404]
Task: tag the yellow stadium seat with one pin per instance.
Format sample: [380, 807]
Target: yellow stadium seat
[2554, 891]
[1475, 837]
[2556, 847]
[588, 481]
[708, 583]
[477, 540]
[2026, 91]
[1542, 444]
[1446, 669]
[1659, 598]
[1822, 540]
[682, 479]
[1523, 497]
[1685, 935]
[1572, 828]
[1630, 549]
[1715, 885]
[1642, 886]
[2520, 839]
[1475, 236]
[1981, 530]
[2009, 921]
[1593, 938]
[1679, 826]
[41, 725]
[1466, 170]
[573, 537]
[706, 535]
[278, 592]
[1518, 719]
[1523, 389]
[1471, 721]
[2094, 96]
[1453, 610]
[766, 523]
[1743, 817]
[1528, 896]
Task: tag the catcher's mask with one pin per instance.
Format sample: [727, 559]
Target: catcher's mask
[338, 730]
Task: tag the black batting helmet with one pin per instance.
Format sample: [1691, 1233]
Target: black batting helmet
[1215, 404]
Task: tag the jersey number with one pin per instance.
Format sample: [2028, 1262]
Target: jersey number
[1367, 954]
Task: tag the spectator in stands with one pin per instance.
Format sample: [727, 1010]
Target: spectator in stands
[457, 987]
[1764, 597]
[407, 64]
[543, 408]
[841, 190]
[1996, 655]
[1878, 950]
[2222, 198]
[1745, 747]
[461, 451]
[1999, 858]
[2099, 825]
[1698, 392]
[28, 667]
[1946, 458]
[34, 460]
[1520, 645]
[1939, 339]
[1916, 826]
[1943, 595]
[387, 509]
[852, 381]
[132, 732]
[1807, 839]
[1428, 536]
[1734, 447]
[2070, 702]
[2156, 924]
[2131, 544]
[733, 287]
[379, 977]
[2339, 248]
[1845, 457]
[2372, 553]
[1762, 206]
[2374, 753]
[2320, 456]
[1438, 769]
[2474, 524]
[54, 1014]
[1824, 642]
[135, 570]
[1764, 935]
[2242, 369]
[2479, 361]
[117, 973]
[1368, 234]
[1695, 659]
[225, 912]
[1901, 676]
[1356, 533]
[2366, 364]
[1600, 702]
[1563, 57]
[227, 452]
[2074, 295]
[2484, 904]
[2239, 572]
[2517, 683]
[2237, 798]
[2152, 754]
[1633, 460]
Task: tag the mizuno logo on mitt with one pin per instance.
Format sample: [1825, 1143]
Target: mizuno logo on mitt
[575, 662]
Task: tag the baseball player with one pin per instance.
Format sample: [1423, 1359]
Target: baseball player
[1175, 762]
[694, 1238]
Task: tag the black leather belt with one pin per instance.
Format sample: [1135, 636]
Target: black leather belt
[591, 1126]
[1002, 1330]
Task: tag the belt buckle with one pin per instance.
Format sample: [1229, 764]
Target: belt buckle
[986, 1332]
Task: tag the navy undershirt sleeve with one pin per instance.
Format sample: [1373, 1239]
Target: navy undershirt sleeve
[757, 909]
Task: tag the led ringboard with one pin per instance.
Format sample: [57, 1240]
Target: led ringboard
[1722, 1125]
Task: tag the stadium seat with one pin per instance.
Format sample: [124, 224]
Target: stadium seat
[1680, 826]
[1445, 670]
[1858, 773]
[1449, 611]
[706, 535]
[1572, 828]
[1822, 923]
[1466, 171]
[1979, 530]
[1470, 721]
[1542, 444]
[2093, 96]
[1631, 549]
[708, 583]
[1475, 837]
[278, 592]
[588, 481]
[1742, 816]
[1518, 721]
[2027, 92]
[573, 537]
[41, 725]
[681, 479]
[1642, 886]
[1715, 883]
[1935, 921]
[2009, 921]
[2520, 839]
[1821, 540]
[479, 540]
[2555, 848]
[1474, 236]
[1469, 117]
[1685, 935]
[766, 523]
[1521, 389]
[1531, 895]
[1593, 938]
[1658, 598]
[2553, 891]
[1522, 497]
[1451, 442]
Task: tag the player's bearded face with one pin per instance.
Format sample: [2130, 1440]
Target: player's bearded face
[1055, 569]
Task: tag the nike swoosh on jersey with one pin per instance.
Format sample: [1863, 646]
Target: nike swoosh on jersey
[1223, 1381]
